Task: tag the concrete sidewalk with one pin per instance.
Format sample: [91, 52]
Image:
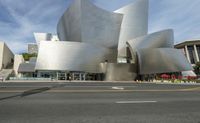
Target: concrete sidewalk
[57, 81]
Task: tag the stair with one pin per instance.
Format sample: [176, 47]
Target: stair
[5, 73]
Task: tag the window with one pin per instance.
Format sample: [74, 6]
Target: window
[191, 54]
[198, 50]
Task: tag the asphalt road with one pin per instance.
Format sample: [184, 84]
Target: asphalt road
[99, 103]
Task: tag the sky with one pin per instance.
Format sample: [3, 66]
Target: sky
[20, 18]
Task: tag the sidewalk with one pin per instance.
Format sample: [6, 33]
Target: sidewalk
[75, 81]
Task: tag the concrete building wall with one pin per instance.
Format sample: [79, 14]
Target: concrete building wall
[6, 56]
[18, 59]
[191, 50]
[1, 54]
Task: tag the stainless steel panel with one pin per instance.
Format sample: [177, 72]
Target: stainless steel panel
[118, 72]
[162, 60]
[161, 39]
[134, 24]
[69, 26]
[72, 56]
[85, 22]
[26, 68]
[42, 37]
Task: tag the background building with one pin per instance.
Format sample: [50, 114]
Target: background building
[6, 56]
[95, 44]
[17, 61]
[32, 48]
[6, 61]
[99, 42]
[191, 49]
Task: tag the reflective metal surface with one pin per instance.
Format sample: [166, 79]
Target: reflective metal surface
[85, 22]
[72, 56]
[134, 24]
[90, 35]
[188, 73]
[161, 39]
[162, 60]
[42, 37]
[26, 68]
[118, 72]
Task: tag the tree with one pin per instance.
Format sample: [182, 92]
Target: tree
[27, 56]
[197, 68]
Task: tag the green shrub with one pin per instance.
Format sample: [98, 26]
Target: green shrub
[27, 56]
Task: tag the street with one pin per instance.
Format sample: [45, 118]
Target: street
[99, 103]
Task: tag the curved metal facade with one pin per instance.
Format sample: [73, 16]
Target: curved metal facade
[118, 72]
[90, 35]
[72, 56]
[42, 37]
[134, 24]
[161, 39]
[85, 22]
[162, 60]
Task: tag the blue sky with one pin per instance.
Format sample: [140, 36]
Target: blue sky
[20, 18]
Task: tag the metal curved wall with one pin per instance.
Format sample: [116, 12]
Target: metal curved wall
[162, 60]
[84, 22]
[118, 72]
[161, 39]
[42, 37]
[134, 24]
[69, 25]
[72, 56]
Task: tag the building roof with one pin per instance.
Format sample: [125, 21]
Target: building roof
[26, 67]
[189, 42]
[33, 60]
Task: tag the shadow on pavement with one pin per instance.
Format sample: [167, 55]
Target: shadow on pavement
[32, 92]
[9, 97]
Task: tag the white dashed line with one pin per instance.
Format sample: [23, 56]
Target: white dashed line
[118, 88]
[128, 102]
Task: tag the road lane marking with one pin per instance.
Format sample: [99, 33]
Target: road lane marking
[136, 102]
[118, 88]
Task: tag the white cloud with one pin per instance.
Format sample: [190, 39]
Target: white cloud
[182, 16]
[28, 16]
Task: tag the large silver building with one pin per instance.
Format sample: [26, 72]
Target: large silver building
[99, 44]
